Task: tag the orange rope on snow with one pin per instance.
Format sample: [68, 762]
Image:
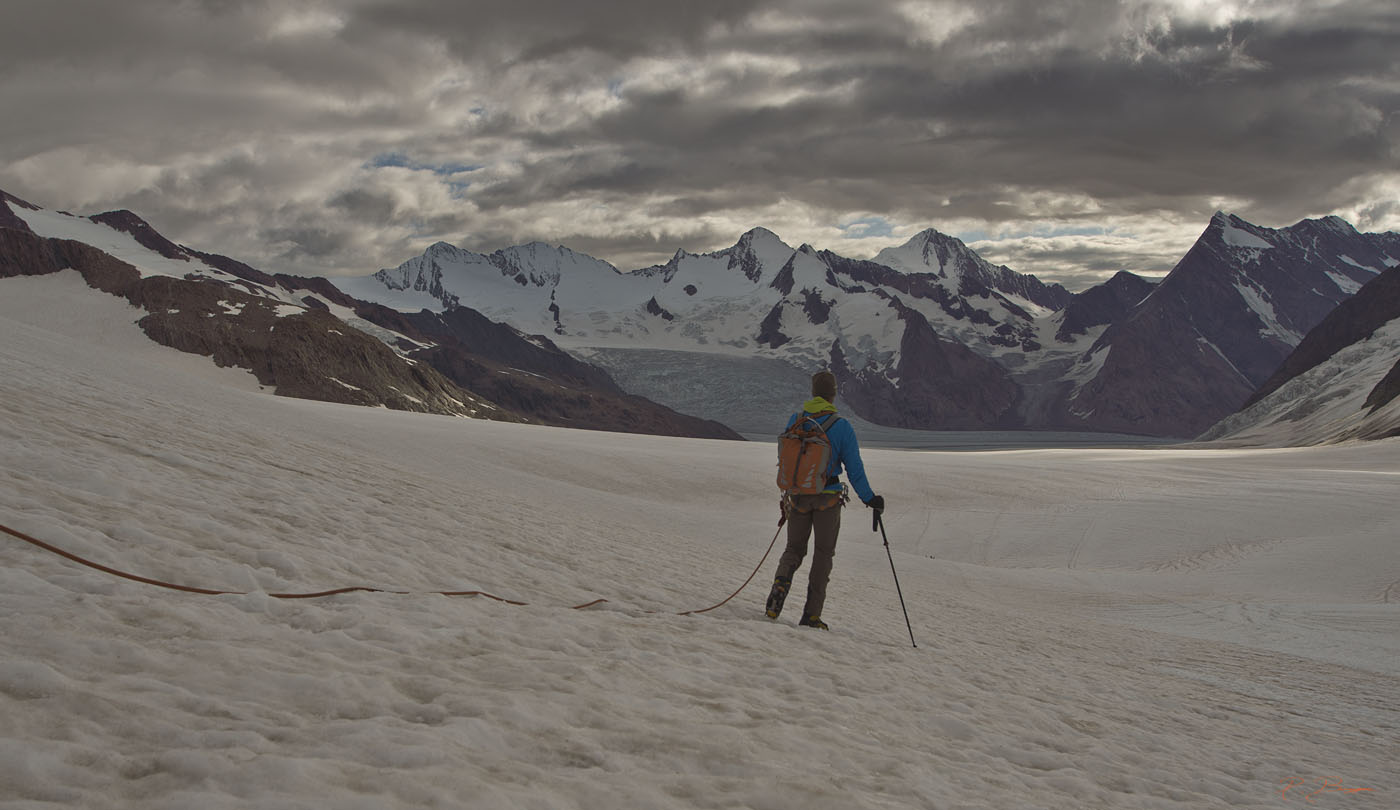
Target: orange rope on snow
[751, 576]
[335, 591]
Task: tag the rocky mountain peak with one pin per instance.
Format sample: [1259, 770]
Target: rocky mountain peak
[141, 230]
[6, 197]
[757, 250]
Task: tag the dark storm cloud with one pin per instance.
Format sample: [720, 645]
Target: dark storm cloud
[365, 206]
[538, 30]
[1188, 119]
[344, 136]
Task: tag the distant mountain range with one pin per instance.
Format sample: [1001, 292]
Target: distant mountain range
[925, 335]
[928, 334]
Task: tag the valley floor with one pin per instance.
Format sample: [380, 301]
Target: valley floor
[1097, 628]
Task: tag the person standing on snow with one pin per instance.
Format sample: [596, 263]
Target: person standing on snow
[820, 513]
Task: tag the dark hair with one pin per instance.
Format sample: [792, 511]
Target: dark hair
[824, 385]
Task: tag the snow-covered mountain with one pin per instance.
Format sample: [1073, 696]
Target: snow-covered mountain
[1341, 382]
[914, 346]
[305, 338]
[928, 334]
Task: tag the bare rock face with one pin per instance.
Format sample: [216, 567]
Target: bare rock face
[1157, 385]
[1385, 391]
[24, 254]
[1103, 304]
[939, 384]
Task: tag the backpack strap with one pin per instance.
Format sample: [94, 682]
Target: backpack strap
[823, 425]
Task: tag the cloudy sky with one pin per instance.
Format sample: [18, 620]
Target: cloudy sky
[1069, 138]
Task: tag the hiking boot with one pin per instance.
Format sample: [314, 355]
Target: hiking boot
[777, 596]
[813, 621]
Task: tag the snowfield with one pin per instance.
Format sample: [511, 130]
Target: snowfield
[1168, 628]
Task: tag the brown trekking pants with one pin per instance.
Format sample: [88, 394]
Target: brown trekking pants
[826, 525]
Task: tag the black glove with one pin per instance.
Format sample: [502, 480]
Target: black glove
[877, 503]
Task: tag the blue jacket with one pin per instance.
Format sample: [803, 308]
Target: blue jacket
[845, 450]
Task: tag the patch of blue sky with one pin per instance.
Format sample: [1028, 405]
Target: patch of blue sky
[399, 160]
[866, 227]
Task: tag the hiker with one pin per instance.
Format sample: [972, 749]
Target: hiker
[819, 512]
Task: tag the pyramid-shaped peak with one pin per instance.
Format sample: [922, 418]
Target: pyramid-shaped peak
[758, 254]
[122, 218]
[1221, 219]
[761, 236]
[932, 235]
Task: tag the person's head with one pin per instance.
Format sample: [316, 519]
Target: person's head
[824, 385]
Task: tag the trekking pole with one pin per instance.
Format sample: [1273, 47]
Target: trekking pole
[880, 524]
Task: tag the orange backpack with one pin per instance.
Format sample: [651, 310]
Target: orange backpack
[804, 456]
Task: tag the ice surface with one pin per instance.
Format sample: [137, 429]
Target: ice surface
[1237, 237]
[1097, 628]
[1325, 403]
[1343, 283]
[1255, 298]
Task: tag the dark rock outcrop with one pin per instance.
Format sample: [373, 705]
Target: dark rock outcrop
[937, 384]
[656, 309]
[1103, 304]
[496, 343]
[1386, 390]
[8, 218]
[770, 331]
[140, 230]
[818, 311]
[24, 254]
